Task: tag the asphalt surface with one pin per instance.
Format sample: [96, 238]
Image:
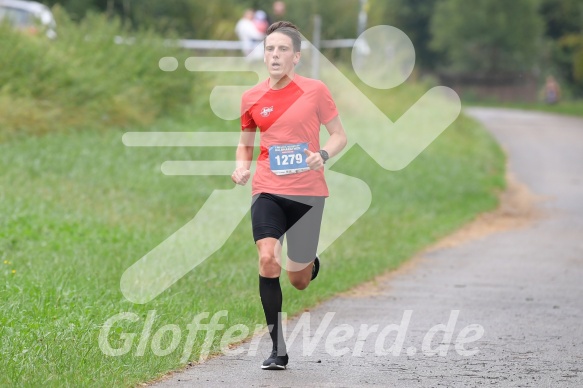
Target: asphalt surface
[513, 299]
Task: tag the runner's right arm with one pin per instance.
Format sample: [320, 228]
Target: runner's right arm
[244, 156]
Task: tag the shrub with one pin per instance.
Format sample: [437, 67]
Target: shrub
[83, 78]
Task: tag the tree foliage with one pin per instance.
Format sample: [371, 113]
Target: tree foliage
[568, 57]
[202, 19]
[562, 17]
[487, 35]
[564, 29]
[413, 18]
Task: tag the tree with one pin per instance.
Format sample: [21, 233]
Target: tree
[75, 8]
[413, 18]
[203, 19]
[568, 57]
[487, 36]
[564, 30]
[562, 17]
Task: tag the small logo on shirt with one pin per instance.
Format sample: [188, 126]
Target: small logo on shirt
[266, 111]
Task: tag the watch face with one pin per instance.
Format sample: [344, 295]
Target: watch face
[324, 155]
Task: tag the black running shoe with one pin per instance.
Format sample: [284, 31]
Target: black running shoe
[315, 268]
[275, 362]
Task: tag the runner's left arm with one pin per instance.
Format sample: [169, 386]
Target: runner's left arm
[336, 142]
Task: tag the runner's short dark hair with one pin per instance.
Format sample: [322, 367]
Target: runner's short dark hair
[289, 29]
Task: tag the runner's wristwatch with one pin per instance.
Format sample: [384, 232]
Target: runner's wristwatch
[324, 155]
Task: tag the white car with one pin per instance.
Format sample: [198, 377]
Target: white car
[28, 16]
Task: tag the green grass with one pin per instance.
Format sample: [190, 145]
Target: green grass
[83, 79]
[77, 208]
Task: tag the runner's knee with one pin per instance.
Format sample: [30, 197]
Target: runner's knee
[300, 284]
[268, 265]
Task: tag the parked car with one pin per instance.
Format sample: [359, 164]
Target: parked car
[29, 16]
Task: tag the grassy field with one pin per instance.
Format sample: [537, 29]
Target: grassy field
[84, 80]
[77, 208]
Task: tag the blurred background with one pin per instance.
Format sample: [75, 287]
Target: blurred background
[489, 51]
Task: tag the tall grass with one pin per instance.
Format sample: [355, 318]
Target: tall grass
[83, 79]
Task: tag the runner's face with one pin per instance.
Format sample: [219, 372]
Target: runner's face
[280, 57]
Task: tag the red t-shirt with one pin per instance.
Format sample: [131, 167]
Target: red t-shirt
[289, 115]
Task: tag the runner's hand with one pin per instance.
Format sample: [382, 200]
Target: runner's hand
[240, 176]
[314, 160]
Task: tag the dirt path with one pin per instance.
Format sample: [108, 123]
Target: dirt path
[499, 303]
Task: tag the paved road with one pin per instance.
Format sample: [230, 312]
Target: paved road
[515, 297]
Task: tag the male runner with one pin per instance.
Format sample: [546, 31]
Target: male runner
[288, 186]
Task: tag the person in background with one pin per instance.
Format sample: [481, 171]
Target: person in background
[278, 10]
[552, 90]
[260, 21]
[248, 33]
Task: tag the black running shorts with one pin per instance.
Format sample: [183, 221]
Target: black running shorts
[297, 217]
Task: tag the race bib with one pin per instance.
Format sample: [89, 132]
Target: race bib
[287, 159]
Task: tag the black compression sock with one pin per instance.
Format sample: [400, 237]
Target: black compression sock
[271, 299]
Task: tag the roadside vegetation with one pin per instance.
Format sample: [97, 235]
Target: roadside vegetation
[83, 80]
